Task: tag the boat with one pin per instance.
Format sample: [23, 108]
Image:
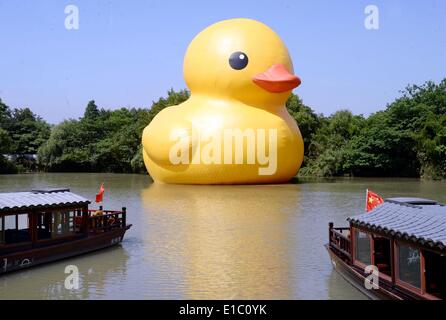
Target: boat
[46, 225]
[396, 251]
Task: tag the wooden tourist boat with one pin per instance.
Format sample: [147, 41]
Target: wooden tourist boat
[405, 239]
[47, 225]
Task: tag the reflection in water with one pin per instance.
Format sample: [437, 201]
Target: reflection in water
[230, 241]
[339, 288]
[240, 242]
[48, 281]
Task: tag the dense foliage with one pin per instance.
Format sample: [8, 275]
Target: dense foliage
[102, 140]
[406, 139]
[21, 134]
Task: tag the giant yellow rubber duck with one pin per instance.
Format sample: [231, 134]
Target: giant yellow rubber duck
[234, 128]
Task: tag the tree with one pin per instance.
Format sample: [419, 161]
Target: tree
[28, 131]
[63, 150]
[326, 150]
[21, 132]
[173, 98]
[102, 140]
[91, 111]
[307, 120]
[5, 115]
[381, 150]
[408, 138]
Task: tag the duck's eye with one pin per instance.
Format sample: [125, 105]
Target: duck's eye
[238, 60]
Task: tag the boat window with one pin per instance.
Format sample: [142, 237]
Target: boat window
[382, 255]
[409, 265]
[44, 220]
[63, 223]
[55, 224]
[15, 229]
[435, 264]
[362, 247]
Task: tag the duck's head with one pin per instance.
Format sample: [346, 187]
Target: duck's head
[240, 59]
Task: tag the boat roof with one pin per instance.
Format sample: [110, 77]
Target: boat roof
[41, 198]
[415, 201]
[422, 221]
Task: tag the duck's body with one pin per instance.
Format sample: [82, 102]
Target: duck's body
[220, 116]
[234, 129]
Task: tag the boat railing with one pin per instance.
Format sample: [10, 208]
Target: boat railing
[105, 220]
[339, 240]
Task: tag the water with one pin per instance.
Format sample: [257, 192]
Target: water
[209, 242]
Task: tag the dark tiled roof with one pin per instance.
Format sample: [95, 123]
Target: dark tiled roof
[415, 201]
[421, 223]
[40, 199]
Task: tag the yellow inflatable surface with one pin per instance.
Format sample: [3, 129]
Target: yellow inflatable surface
[234, 128]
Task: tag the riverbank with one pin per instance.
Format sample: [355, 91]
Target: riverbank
[298, 178]
[407, 139]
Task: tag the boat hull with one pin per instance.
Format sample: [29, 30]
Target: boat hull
[385, 291]
[37, 256]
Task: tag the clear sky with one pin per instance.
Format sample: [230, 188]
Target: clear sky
[129, 53]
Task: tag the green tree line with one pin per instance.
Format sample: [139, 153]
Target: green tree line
[406, 139]
[21, 133]
[102, 140]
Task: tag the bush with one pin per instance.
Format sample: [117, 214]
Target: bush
[102, 140]
[7, 166]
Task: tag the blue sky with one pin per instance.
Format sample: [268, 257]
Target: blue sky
[129, 53]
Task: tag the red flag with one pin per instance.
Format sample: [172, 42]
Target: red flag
[99, 196]
[372, 201]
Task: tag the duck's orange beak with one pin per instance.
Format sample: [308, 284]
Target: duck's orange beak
[276, 79]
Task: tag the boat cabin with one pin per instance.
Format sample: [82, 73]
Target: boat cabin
[49, 224]
[405, 238]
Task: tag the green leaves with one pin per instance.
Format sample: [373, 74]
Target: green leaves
[406, 139]
[6, 143]
[309, 122]
[102, 140]
[21, 132]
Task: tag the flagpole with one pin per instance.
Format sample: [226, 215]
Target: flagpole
[366, 195]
